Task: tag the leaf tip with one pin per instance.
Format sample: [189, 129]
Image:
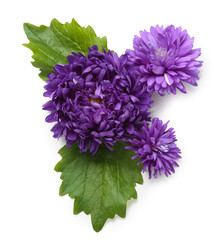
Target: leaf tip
[25, 45]
[57, 167]
[43, 77]
[26, 27]
[54, 21]
[97, 228]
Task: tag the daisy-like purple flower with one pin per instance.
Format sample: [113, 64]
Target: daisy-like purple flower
[164, 58]
[94, 100]
[156, 148]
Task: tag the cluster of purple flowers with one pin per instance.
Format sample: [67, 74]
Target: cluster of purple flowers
[103, 98]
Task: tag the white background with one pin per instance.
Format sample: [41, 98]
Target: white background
[186, 205]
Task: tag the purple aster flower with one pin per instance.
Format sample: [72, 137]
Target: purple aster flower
[94, 100]
[156, 147]
[164, 58]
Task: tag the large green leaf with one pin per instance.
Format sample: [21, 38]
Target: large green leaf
[51, 45]
[101, 184]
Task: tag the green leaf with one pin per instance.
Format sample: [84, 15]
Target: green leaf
[51, 45]
[101, 184]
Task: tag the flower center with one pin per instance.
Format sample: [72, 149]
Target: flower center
[98, 100]
[161, 52]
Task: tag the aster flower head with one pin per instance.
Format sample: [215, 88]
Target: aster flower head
[156, 148]
[164, 58]
[94, 100]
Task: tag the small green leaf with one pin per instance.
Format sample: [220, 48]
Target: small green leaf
[51, 45]
[101, 184]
